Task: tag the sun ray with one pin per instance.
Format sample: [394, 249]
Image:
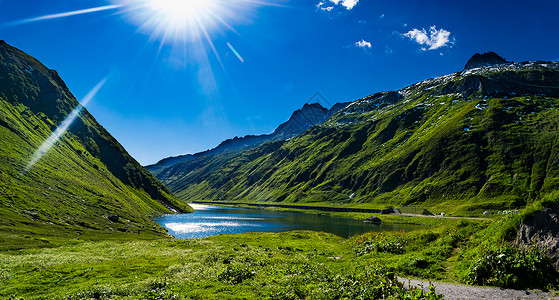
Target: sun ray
[235, 52]
[62, 15]
[61, 129]
[210, 42]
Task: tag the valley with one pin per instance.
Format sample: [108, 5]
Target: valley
[78, 222]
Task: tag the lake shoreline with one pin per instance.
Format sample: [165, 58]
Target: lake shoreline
[304, 207]
[359, 214]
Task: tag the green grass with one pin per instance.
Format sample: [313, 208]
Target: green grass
[290, 265]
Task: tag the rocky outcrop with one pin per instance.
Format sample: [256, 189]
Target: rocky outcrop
[542, 230]
[390, 210]
[507, 80]
[484, 60]
[373, 220]
[113, 218]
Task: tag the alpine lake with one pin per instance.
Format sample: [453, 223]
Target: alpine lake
[209, 220]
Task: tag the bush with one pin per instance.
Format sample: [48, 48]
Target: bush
[394, 244]
[377, 284]
[511, 267]
[235, 275]
[367, 283]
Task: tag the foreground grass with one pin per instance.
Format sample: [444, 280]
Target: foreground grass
[291, 265]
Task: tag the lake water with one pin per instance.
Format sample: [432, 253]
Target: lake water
[210, 220]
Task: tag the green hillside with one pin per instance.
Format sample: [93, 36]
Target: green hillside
[87, 176]
[476, 140]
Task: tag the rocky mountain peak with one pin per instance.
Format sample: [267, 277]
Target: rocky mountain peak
[315, 105]
[486, 59]
[302, 119]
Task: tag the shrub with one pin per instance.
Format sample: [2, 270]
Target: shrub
[377, 284]
[363, 283]
[511, 267]
[394, 244]
[235, 275]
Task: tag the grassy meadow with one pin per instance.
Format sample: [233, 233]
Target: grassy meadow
[290, 265]
[293, 265]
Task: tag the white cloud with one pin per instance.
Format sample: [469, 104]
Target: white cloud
[363, 44]
[347, 4]
[321, 6]
[435, 39]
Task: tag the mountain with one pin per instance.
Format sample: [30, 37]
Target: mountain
[484, 60]
[84, 185]
[480, 139]
[301, 120]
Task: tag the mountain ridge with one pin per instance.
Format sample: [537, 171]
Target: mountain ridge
[470, 140]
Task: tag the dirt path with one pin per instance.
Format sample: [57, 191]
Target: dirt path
[441, 217]
[453, 291]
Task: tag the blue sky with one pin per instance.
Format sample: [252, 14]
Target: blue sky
[172, 88]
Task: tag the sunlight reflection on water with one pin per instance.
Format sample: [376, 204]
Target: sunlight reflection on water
[197, 207]
[236, 218]
[201, 227]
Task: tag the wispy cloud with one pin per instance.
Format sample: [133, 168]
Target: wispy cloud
[434, 39]
[324, 7]
[388, 50]
[329, 5]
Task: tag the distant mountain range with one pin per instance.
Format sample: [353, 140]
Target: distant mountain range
[301, 120]
[85, 186]
[479, 139]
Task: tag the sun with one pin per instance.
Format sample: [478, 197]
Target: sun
[193, 32]
[182, 10]
[185, 20]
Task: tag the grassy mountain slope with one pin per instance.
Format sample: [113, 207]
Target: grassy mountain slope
[481, 139]
[84, 178]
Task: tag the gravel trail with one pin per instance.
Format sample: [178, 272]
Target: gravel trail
[453, 291]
